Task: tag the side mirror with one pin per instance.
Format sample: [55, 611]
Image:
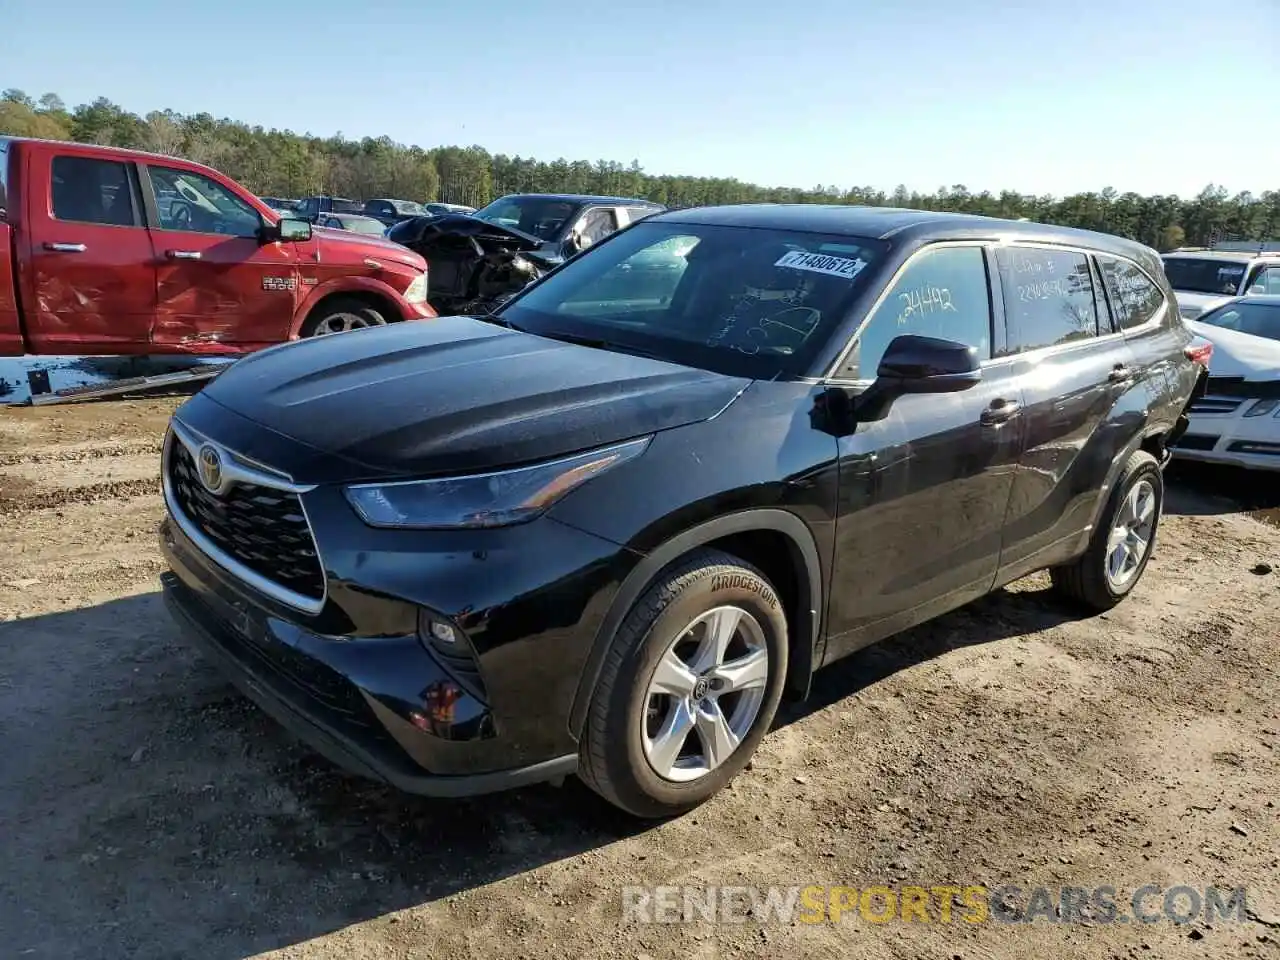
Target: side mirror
[289, 230]
[910, 364]
[913, 364]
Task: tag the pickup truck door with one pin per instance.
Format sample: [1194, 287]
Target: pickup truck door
[217, 282]
[91, 270]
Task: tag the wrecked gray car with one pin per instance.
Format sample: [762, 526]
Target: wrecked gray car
[478, 260]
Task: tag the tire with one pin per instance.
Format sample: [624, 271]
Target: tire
[1087, 581]
[623, 747]
[341, 315]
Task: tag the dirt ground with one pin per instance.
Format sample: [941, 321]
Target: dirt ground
[148, 811]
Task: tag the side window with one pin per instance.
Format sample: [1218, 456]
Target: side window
[1134, 297]
[86, 190]
[639, 213]
[597, 225]
[195, 204]
[1048, 297]
[942, 293]
[1265, 280]
[310, 208]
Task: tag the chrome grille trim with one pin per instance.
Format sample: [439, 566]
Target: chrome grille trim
[240, 469]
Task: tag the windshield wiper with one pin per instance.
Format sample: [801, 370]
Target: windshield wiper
[496, 321]
[599, 343]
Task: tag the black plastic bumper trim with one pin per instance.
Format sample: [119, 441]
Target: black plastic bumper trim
[337, 746]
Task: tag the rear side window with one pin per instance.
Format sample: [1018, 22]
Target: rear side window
[1134, 297]
[1048, 297]
[941, 293]
[86, 190]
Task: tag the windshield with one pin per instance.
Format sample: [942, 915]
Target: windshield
[1258, 319]
[1204, 275]
[407, 208]
[541, 217]
[737, 300]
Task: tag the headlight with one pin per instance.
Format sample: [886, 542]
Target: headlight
[1260, 408]
[417, 290]
[487, 499]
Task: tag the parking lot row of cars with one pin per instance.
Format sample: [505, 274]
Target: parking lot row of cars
[182, 260]
[367, 216]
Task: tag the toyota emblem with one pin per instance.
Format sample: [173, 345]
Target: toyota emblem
[210, 461]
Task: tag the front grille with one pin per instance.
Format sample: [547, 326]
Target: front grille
[1215, 405]
[261, 527]
[1196, 441]
[1255, 446]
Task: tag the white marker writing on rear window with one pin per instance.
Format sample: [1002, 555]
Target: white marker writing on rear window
[822, 263]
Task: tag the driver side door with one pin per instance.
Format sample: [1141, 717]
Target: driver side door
[924, 491]
[216, 281]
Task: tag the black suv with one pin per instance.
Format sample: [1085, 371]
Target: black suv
[605, 530]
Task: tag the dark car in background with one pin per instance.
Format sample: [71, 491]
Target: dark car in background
[605, 529]
[436, 209]
[391, 212]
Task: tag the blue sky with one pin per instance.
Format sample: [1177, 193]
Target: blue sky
[1157, 96]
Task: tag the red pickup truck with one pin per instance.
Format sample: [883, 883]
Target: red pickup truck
[107, 251]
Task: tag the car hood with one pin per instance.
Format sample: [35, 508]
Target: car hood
[457, 395]
[346, 246]
[1192, 305]
[1237, 354]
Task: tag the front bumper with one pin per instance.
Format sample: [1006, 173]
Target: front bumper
[1219, 432]
[370, 697]
[351, 745]
[415, 311]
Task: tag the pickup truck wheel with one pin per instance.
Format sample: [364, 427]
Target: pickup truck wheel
[689, 688]
[341, 316]
[1123, 541]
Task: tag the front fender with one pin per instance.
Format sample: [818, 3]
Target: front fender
[365, 285]
[808, 571]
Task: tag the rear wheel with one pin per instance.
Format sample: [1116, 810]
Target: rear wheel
[689, 688]
[1123, 541]
[342, 315]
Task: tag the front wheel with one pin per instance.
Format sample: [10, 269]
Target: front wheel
[689, 688]
[340, 316]
[1123, 541]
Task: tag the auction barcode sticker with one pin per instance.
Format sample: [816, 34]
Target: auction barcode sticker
[822, 263]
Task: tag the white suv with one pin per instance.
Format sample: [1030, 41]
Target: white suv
[1204, 279]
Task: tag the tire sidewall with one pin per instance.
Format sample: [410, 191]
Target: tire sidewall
[1148, 470]
[720, 586]
[354, 308]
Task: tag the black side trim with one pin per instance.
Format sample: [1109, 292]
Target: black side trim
[338, 747]
[804, 659]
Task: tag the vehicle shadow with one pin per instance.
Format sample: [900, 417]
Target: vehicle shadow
[998, 616]
[155, 812]
[1205, 489]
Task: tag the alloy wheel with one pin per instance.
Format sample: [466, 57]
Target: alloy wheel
[1131, 534]
[705, 694]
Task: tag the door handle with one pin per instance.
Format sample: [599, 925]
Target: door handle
[182, 254]
[1120, 374]
[1000, 411]
[66, 247]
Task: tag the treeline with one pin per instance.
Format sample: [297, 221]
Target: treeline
[282, 163]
